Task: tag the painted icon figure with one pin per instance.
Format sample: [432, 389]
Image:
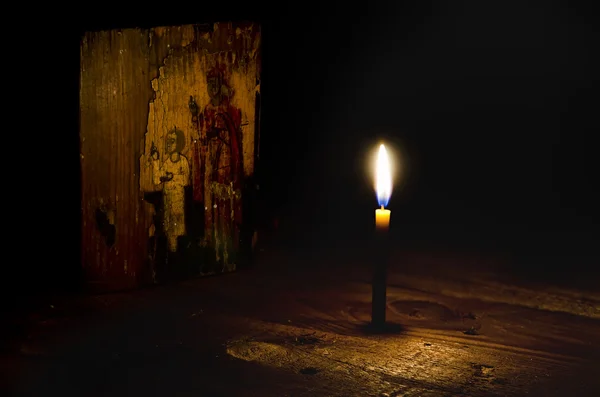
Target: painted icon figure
[174, 174]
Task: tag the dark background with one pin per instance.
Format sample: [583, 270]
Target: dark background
[493, 106]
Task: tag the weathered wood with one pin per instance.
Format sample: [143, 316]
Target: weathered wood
[135, 90]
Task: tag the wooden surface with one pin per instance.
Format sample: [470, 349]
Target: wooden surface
[135, 86]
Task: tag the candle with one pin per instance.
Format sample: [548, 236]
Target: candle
[383, 188]
[382, 219]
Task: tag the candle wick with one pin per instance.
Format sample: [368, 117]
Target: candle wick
[382, 207]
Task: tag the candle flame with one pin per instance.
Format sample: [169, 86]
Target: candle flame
[383, 185]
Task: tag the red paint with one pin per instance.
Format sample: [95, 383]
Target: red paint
[221, 144]
[197, 172]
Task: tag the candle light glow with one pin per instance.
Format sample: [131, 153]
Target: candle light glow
[383, 177]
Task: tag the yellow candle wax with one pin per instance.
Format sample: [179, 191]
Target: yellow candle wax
[382, 219]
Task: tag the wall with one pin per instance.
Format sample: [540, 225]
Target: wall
[168, 122]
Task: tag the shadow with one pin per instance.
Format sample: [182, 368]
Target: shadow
[388, 328]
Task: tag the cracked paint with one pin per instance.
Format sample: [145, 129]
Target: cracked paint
[173, 174]
[135, 88]
[205, 89]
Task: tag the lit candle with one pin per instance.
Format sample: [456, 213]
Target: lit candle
[383, 187]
